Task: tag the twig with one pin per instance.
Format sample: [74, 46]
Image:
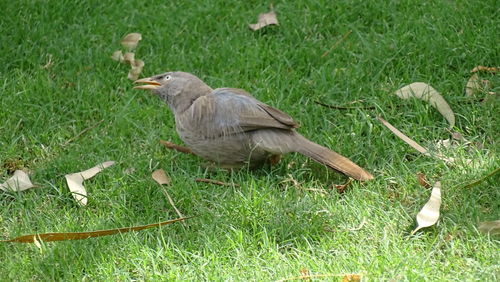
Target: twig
[343, 107]
[336, 43]
[216, 182]
[472, 184]
[81, 133]
[172, 202]
[176, 147]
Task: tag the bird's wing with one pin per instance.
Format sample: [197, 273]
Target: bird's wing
[228, 111]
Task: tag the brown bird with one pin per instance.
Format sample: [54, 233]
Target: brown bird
[231, 128]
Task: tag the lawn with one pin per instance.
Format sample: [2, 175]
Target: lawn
[57, 80]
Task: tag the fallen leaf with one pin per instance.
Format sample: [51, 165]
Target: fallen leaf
[129, 57]
[429, 214]
[422, 180]
[136, 69]
[161, 177]
[351, 277]
[264, 20]
[75, 181]
[341, 187]
[216, 182]
[483, 68]
[118, 56]
[131, 40]
[475, 85]
[426, 93]
[20, 181]
[412, 143]
[490, 227]
[49, 237]
[457, 136]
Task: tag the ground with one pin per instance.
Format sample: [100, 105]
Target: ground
[57, 80]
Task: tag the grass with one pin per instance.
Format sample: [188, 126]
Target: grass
[268, 228]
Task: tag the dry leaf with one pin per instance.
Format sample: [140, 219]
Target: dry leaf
[131, 40]
[20, 181]
[429, 214]
[264, 20]
[491, 227]
[129, 57]
[412, 143]
[422, 180]
[483, 68]
[160, 177]
[48, 237]
[351, 277]
[341, 187]
[118, 56]
[475, 85]
[426, 93]
[136, 69]
[75, 181]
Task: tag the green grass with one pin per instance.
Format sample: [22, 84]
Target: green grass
[267, 228]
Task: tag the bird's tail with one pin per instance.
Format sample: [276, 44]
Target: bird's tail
[330, 158]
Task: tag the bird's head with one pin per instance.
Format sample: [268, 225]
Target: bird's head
[178, 89]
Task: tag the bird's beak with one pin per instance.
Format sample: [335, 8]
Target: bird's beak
[149, 84]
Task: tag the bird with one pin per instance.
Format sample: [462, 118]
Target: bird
[231, 128]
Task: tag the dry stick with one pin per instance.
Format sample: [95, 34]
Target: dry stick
[216, 182]
[176, 147]
[47, 237]
[172, 202]
[81, 133]
[472, 184]
[336, 43]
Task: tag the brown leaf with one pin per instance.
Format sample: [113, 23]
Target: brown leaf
[490, 227]
[75, 181]
[341, 187]
[427, 93]
[48, 237]
[429, 214]
[20, 181]
[129, 57]
[131, 40]
[118, 56]
[422, 180]
[351, 278]
[483, 68]
[264, 20]
[161, 177]
[136, 69]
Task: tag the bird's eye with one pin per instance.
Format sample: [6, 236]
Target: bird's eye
[167, 77]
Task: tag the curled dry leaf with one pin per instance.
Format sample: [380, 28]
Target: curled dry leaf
[49, 237]
[264, 20]
[136, 69]
[20, 181]
[118, 56]
[429, 214]
[475, 85]
[490, 227]
[426, 93]
[131, 40]
[161, 177]
[75, 181]
[483, 68]
[422, 180]
[129, 57]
